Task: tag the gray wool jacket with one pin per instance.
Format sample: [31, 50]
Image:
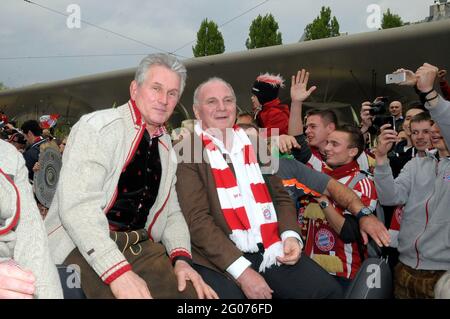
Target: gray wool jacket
[22, 233]
[423, 186]
[99, 147]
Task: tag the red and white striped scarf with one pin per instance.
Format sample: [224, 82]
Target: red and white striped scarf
[247, 227]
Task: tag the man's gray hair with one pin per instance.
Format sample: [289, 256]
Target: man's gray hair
[166, 60]
[213, 79]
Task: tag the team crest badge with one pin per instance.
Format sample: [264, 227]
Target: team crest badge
[267, 214]
[325, 240]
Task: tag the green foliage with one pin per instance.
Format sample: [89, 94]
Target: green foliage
[391, 20]
[209, 40]
[263, 32]
[323, 26]
[3, 87]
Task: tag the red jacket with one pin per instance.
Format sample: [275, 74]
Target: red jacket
[274, 115]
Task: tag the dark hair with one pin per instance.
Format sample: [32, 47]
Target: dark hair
[18, 138]
[328, 116]
[421, 117]
[355, 136]
[416, 105]
[31, 126]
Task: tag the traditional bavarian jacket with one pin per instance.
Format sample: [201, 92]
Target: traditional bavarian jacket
[99, 148]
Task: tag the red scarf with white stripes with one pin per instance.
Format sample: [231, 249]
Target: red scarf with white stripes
[248, 228]
[345, 170]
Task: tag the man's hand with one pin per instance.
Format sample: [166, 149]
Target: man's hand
[254, 285]
[16, 283]
[130, 286]
[366, 118]
[441, 75]
[370, 225]
[292, 250]
[299, 83]
[36, 167]
[386, 139]
[426, 75]
[286, 143]
[411, 78]
[184, 272]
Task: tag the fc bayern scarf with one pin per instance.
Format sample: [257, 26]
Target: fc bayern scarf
[247, 227]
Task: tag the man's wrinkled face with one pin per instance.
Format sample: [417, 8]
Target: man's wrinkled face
[316, 130]
[420, 135]
[409, 115]
[395, 108]
[216, 106]
[338, 149]
[157, 97]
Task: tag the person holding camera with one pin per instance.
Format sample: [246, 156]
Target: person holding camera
[423, 187]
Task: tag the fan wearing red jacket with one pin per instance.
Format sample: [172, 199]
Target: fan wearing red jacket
[270, 113]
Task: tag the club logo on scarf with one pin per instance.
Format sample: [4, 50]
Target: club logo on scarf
[325, 240]
[267, 214]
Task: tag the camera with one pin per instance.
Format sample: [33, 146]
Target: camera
[378, 107]
[378, 110]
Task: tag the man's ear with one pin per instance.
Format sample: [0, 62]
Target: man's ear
[133, 89]
[196, 112]
[331, 127]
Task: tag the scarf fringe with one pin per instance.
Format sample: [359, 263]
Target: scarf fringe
[245, 240]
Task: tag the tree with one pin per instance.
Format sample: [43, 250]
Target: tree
[3, 87]
[391, 20]
[323, 26]
[209, 40]
[263, 32]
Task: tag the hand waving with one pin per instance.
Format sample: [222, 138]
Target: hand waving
[299, 83]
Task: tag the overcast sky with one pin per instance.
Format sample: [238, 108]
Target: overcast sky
[28, 30]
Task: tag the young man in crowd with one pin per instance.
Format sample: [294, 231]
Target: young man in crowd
[319, 124]
[423, 187]
[404, 150]
[332, 233]
[33, 135]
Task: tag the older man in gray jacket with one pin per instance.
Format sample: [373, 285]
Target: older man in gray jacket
[26, 268]
[116, 213]
[423, 187]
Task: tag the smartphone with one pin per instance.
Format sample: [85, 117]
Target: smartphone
[389, 120]
[395, 78]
